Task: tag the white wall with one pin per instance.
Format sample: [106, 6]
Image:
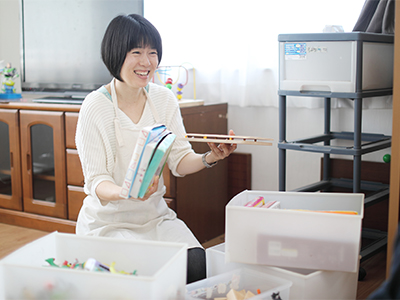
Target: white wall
[302, 168]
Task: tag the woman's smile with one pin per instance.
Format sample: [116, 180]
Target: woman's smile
[142, 73]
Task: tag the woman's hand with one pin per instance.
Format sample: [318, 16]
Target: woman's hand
[221, 151]
[152, 189]
[193, 162]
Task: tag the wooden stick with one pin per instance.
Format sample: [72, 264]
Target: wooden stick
[226, 139]
[225, 136]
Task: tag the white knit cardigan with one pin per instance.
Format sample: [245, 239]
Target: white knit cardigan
[96, 140]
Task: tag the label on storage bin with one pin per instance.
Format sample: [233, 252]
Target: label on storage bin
[275, 249]
[295, 51]
[308, 253]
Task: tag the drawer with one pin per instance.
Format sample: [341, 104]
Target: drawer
[76, 195]
[71, 119]
[74, 168]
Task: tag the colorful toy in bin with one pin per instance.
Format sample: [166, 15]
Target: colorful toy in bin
[90, 264]
[259, 201]
[7, 83]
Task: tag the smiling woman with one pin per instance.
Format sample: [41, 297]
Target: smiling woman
[112, 119]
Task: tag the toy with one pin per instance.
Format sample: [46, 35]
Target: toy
[65, 264]
[93, 265]
[179, 91]
[386, 158]
[168, 83]
[90, 265]
[167, 71]
[7, 89]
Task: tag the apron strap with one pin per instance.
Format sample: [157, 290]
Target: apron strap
[152, 107]
[117, 123]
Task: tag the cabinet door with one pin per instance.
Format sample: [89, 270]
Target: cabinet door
[43, 163]
[10, 167]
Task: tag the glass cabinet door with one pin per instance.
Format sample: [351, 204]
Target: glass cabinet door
[10, 168]
[5, 164]
[43, 162]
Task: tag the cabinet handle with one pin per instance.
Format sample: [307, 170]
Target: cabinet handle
[28, 161]
[11, 160]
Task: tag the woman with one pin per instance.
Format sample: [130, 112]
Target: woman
[108, 126]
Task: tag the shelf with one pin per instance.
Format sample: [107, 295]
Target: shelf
[375, 191]
[379, 241]
[373, 142]
[323, 94]
[305, 73]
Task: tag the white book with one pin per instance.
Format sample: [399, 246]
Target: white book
[146, 135]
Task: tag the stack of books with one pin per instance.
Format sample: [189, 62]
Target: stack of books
[148, 160]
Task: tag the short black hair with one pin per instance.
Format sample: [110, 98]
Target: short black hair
[124, 33]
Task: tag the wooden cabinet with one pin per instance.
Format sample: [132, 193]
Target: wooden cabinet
[10, 168]
[33, 190]
[46, 189]
[33, 162]
[199, 199]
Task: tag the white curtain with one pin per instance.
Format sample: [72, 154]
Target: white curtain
[233, 45]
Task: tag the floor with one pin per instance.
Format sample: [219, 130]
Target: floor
[14, 237]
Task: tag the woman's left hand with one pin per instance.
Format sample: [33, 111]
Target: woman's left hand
[221, 151]
[152, 189]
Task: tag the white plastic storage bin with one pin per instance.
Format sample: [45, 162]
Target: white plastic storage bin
[335, 62]
[287, 237]
[307, 284]
[161, 269]
[240, 279]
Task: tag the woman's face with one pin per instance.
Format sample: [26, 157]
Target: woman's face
[139, 67]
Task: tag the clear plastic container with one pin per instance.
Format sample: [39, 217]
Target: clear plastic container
[335, 62]
[161, 269]
[307, 284]
[292, 237]
[238, 280]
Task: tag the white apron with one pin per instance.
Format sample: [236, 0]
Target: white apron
[132, 218]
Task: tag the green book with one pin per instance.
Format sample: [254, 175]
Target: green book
[157, 162]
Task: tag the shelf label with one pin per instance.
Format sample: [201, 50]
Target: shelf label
[295, 51]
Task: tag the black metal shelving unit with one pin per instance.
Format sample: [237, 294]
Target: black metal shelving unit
[362, 143]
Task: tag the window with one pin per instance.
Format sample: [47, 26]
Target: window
[233, 45]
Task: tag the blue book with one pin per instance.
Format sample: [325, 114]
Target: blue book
[157, 162]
